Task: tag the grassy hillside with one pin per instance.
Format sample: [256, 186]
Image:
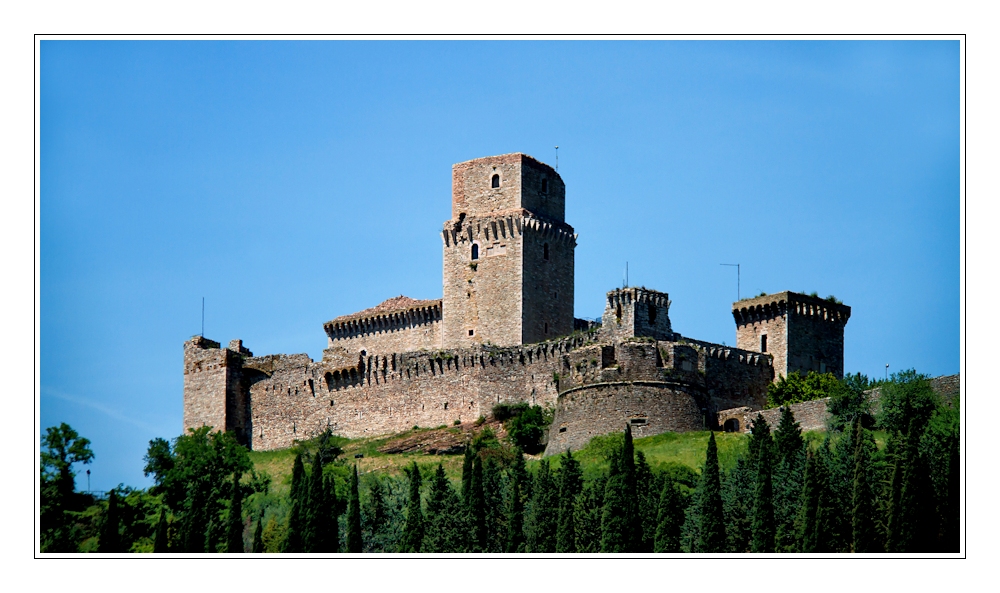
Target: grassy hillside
[668, 448]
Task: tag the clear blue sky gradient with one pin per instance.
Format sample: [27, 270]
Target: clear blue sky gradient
[292, 182]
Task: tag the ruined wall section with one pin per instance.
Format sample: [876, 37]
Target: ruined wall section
[296, 399]
[212, 389]
[547, 280]
[414, 328]
[636, 312]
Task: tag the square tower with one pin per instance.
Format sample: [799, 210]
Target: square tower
[636, 312]
[803, 333]
[508, 254]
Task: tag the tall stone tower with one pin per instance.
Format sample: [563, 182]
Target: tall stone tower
[803, 333]
[508, 254]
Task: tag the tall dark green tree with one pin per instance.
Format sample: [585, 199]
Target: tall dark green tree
[647, 502]
[669, 518]
[110, 538]
[763, 526]
[447, 528]
[477, 506]
[295, 537]
[496, 521]
[587, 513]
[914, 525]
[354, 543]
[331, 542]
[788, 472]
[814, 534]
[615, 526]
[413, 529]
[160, 541]
[515, 519]
[376, 519]
[467, 475]
[541, 522]
[570, 486]
[712, 528]
[737, 504]
[519, 472]
[631, 492]
[314, 509]
[907, 396]
[258, 537]
[863, 533]
[234, 523]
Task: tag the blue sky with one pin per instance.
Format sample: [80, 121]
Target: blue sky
[292, 182]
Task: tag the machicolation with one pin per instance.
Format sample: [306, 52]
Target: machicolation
[504, 331]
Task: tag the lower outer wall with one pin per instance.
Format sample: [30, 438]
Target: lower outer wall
[606, 407]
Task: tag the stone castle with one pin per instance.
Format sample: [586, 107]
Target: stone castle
[504, 331]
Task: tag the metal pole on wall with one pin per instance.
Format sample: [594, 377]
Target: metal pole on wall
[557, 158]
[203, 317]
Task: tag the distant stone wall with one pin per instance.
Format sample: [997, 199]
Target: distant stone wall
[649, 407]
[294, 398]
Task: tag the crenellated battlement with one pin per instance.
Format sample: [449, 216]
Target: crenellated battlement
[779, 304]
[500, 226]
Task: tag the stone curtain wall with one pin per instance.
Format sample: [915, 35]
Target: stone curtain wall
[294, 398]
[403, 331]
[811, 415]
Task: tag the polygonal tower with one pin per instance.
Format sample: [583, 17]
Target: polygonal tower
[802, 333]
[508, 254]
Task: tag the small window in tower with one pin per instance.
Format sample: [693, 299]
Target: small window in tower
[495, 182]
[652, 313]
[475, 251]
[472, 332]
[545, 186]
[763, 343]
[546, 328]
[545, 251]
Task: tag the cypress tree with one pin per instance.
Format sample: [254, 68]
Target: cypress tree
[570, 485]
[712, 528]
[763, 526]
[314, 525]
[788, 465]
[515, 519]
[447, 530]
[477, 506]
[331, 542]
[952, 516]
[737, 504]
[647, 502]
[496, 531]
[814, 517]
[376, 517]
[519, 472]
[543, 513]
[467, 475]
[354, 545]
[234, 531]
[669, 518]
[863, 535]
[615, 527]
[634, 525]
[295, 537]
[911, 531]
[413, 529]
[587, 512]
[160, 541]
[760, 439]
[110, 539]
[258, 537]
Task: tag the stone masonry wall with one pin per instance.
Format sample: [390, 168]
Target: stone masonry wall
[630, 312]
[547, 281]
[414, 329]
[207, 374]
[520, 178]
[650, 407]
[295, 398]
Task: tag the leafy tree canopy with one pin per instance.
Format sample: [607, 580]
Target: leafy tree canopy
[795, 388]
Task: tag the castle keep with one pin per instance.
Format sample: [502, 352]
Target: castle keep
[504, 331]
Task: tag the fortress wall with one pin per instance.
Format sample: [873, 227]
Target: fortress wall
[386, 394]
[547, 307]
[414, 329]
[650, 407]
[208, 372]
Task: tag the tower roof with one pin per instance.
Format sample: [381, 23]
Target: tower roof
[396, 304]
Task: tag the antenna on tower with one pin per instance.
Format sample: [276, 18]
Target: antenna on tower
[203, 317]
[557, 157]
[737, 278]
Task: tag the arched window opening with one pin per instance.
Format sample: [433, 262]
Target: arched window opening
[545, 251]
[495, 182]
[731, 425]
[475, 251]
